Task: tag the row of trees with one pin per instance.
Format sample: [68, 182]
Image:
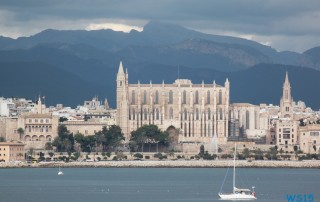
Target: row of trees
[109, 139]
[104, 140]
[148, 135]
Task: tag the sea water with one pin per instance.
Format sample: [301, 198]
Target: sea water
[153, 184]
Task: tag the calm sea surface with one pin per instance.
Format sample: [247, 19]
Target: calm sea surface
[151, 184]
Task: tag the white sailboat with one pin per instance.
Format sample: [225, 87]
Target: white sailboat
[238, 194]
[60, 172]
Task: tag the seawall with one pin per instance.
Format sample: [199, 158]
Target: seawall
[169, 164]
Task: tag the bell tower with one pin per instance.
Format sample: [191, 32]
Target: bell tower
[122, 101]
[286, 102]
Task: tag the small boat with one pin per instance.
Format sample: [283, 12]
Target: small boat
[60, 172]
[238, 194]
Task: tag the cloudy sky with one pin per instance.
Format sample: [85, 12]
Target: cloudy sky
[283, 24]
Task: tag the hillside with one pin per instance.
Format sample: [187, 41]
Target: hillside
[72, 66]
[31, 79]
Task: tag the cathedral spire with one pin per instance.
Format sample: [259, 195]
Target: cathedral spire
[286, 81]
[286, 102]
[106, 104]
[120, 71]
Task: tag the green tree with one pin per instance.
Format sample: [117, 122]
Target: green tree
[62, 119]
[149, 134]
[2, 139]
[51, 154]
[86, 142]
[65, 140]
[272, 153]
[246, 153]
[201, 153]
[21, 132]
[48, 146]
[258, 154]
[114, 137]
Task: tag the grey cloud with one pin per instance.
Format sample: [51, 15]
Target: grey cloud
[262, 18]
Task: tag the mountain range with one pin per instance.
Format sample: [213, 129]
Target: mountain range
[71, 66]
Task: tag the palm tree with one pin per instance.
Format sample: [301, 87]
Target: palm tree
[21, 132]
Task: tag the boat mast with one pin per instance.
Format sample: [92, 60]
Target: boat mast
[234, 167]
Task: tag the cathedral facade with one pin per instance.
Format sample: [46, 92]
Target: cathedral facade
[189, 112]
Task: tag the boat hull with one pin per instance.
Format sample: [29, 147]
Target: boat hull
[237, 197]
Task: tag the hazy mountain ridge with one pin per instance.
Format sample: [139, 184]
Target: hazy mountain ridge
[91, 59]
[31, 79]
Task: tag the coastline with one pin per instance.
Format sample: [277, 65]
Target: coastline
[168, 164]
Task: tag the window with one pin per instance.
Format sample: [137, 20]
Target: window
[197, 114]
[47, 120]
[197, 97]
[220, 112]
[184, 97]
[185, 114]
[145, 114]
[144, 97]
[170, 97]
[171, 113]
[156, 100]
[133, 97]
[209, 114]
[208, 97]
[30, 120]
[220, 97]
[247, 120]
[133, 114]
[157, 114]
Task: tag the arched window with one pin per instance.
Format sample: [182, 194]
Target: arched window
[133, 114]
[208, 97]
[185, 114]
[157, 114]
[184, 97]
[255, 119]
[144, 97]
[209, 129]
[185, 129]
[133, 97]
[156, 100]
[209, 114]
[220, 97]
[197, 114]
[170, 97]
[247, 120]
[145, 114]
[171, 113]
[197, 97]
[220, 112]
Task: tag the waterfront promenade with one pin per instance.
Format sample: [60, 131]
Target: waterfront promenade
[170, 164]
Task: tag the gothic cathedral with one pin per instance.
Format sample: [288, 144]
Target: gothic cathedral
[189, 112]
